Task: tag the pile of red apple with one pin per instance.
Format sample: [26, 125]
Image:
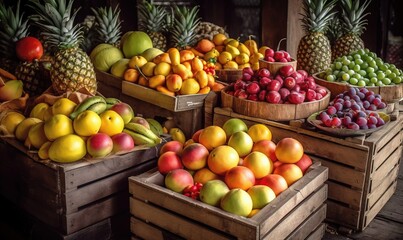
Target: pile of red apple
[287, 86]
[276, 56]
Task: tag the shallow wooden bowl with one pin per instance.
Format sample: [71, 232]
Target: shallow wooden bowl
[391, 93]
[275, 66]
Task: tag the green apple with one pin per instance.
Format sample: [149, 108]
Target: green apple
[136, 43]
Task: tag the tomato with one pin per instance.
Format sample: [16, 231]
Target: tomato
[29, 49]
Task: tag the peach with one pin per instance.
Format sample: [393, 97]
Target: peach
[169, 161]
[290, 172]
[178, 179]
[172, 146]
[275, 181]
[173, 82]
[194, 156]
[304, 163]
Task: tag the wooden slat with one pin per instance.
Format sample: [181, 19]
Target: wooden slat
[344, 194]
[378, 176]
[100, 189]
[312, 222]
[145, 230]
[383, 136]
[345, 175]
[182, 226]
[342, 215]
[373, 197]
[378, 206]
[393, 147]
[299, 215]
[318, 233]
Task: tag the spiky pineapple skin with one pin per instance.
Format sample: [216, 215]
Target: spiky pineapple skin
[159, 40]
[72, 70]
[314, 53]
[35, 77]
[346, 44]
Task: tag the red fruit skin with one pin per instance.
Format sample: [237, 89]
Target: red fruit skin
[194, 156]
[262, 95]
[284, 92]
[169, 161]
[274, 86]
[29, 49]
[289, 82]
[253, 88]
[286, 70]
[269, 53]
[296, 97]
[253, 97]
[310, 95]
[239, 84]
[264, 81]
[248, 70]
[304, 163]
[263, 72]
[273, 97]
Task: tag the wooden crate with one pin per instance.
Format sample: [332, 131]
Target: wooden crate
[358, 166]
[297, 213]
[70, 197]
[175, 104]
[108, 85]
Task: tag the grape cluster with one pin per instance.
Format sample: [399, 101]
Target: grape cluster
[363, 68]
[354, 109]
[193, 191]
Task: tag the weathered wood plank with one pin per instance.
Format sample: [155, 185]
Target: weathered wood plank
[377, 193]
[345, 175]
[342, 215]
[342, 193]
[312, 222]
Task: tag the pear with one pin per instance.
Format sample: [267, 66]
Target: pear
[11, 90]
[243, 49]
[233, 50]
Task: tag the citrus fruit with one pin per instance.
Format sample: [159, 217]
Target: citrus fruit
[259, 132]
[212, 137]
[237, 201]
[111, 123]
[258, 163]
[63, 106]
[58, 125]
[290, 172]
[222, 159]
[289, 150]
[68, 148]
[234, 125]
[204, 175]
[87, 123]
[261, 195]
[240, 177]
[11, 120]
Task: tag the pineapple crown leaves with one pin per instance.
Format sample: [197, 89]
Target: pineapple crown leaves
[57, 22]
[152, 18]
[185, 24]
[353, 15]
[108, 24]
[13, 27]
[317, 14]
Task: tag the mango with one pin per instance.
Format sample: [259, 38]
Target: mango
[11, 90]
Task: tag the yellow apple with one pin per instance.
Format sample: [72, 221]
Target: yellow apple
[111, 123]
[87, 123]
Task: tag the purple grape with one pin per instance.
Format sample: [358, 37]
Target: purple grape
[331, 110]
[328, 122]
[374, 114]
[360, 114]
[361, 95]
[323, 116]
[372, 120]
[338, 106]
[376, 101]
[371, 126]
[372, 107]
[364, 90]
[361, 121]
[340, 114]
[348, 114]
[346, 98]
[364, 127]
[347, 104]
[369, 93]
[382, 105]
[339, 100]
[366, 104]
[336, 122]
[353, 126]
[356, 98]
[370, 98]
[355, 107]
[346, 120]
[351, 92]
[377, 96]
[380, 122]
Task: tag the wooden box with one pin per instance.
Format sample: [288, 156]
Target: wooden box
[297, 213]
[362, 170]
[275, 66]
[271, 111]
[69, 197]
[176, 104]
[228, 75]
[391, 93]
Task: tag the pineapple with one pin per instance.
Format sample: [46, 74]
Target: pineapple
[314, 51]
[334, 31]
[12, 28]
[107, 25]
[153, 21]
[185, 23]
[353, 24]
[72, 69]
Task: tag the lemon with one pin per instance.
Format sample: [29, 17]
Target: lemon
[242, 58]
[58, 126]
[36, 135]
[21, 132]
[11, 121]
[63, 106]
[190, 86]
[68, 148]
[87, 123]
[231, 65]
[43, 151]
[39, 111]
[224, 57]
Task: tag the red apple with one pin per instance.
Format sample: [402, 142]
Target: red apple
[253, 97]
[286, 55]
[289, 82]
[239, 84]
[310, 95]
[241, 94]
[194, 156]
[284, 92]
[303, 73]
[178, 179]
[271, 59]
[286, 71]
[299, 78]
[273, 97]
[169, 161]
[99, 145]
[321, 90]
[262, 95]
[253, 88]
[264, 81]
[304, 163]
[172, 146]
[274, 86]
[283, 60]
[122, 142]
[269, 53]
[124, 110]
[196, 135]
[246, 76]
[248, 70]
[263, 72]
[279, 78]
[278, 55]
[297, 88]
[275, 181]
[319, 96]
[296, 97]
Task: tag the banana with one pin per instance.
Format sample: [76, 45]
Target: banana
[140, 129]
[98, 107]
[110, 101]
[84, 105]
[155, 126]
[140, 139]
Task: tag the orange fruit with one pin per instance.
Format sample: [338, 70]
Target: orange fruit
[219, 39]
[259, 132]
[222, 159]
[240, 177]
[290, 172]
[289, 150]
[212, 137]
[258, 163]
[204, 175]
[190, 86]
[217, 87]
[205, 45]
